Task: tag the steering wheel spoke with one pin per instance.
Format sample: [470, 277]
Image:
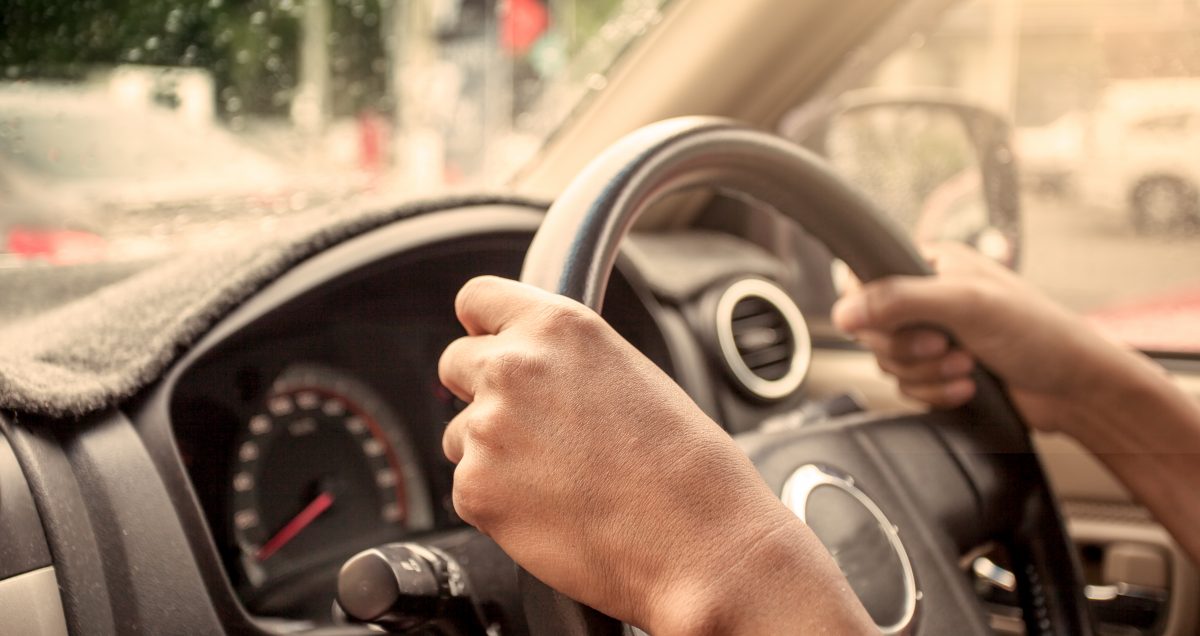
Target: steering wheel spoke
[899, 466]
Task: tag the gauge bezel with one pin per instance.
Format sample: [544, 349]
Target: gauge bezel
[379, 424]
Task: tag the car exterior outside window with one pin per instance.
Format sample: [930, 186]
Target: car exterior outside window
[131, 130]
[1103, 97]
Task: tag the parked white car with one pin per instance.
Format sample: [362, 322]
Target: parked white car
[1142, 153]
[1050, 155]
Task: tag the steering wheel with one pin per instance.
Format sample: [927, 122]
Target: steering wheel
[940, 483]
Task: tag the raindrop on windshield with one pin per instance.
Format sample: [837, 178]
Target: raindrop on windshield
[298, 201]
[597, 82]
[174, 20]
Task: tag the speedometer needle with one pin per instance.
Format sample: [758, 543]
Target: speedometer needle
[294, 527]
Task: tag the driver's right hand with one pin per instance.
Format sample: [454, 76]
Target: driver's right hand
[599, 475]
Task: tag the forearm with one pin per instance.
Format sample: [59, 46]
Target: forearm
[1147, 431]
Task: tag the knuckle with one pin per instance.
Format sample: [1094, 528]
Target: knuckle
[886, 364]
[486, 426]
[469, 291]
[466, 293]
[897, 346]
[956, 249]
[512, 368]
[451, 449]
[931, 394]
[917, 392]
[472, 499]
[880, 300]
[906, 372]
[449, 358]
[567, 318]
[981, 294]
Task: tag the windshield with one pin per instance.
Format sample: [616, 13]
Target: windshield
[68, 145]
[110, 109]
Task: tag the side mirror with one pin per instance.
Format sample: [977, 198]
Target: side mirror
[941, 166]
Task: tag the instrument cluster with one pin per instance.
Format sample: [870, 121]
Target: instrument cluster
[315, 432]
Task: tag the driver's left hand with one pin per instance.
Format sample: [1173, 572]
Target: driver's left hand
[602, 478]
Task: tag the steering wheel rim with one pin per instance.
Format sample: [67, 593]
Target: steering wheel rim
[575, 249]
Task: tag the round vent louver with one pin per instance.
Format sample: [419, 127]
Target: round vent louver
[763, 338]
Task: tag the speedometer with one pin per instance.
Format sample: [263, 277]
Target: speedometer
[322, 468]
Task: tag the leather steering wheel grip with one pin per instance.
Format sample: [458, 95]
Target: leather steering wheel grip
[575, 249]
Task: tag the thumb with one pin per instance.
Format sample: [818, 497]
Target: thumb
[902, 301]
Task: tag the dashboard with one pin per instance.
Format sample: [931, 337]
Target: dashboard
[314, 431]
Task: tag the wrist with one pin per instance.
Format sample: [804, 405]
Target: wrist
[777, 578]
[1116, 386]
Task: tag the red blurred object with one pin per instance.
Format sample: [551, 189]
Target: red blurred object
[522, 22]
[372, 142]
[1169, 322]
[61, 247]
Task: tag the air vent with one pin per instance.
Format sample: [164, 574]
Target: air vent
[763, 338]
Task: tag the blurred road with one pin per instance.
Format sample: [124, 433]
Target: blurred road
[1092, 259]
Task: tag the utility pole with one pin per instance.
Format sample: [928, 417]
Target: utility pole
[412, 66]
[310, 109]
[411, 52]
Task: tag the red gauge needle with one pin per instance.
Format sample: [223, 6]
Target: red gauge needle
[294, 527]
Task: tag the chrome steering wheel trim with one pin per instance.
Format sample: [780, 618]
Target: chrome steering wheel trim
[796, 492]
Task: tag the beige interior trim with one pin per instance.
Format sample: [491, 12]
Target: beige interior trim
[1182, 613]
[1074, 473]
[30, 605]
[1189, 383]
[837, 371]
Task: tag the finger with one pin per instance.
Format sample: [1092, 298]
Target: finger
[952, 366]
[459, 365]
[953, 256]
[489, 304]
[845, 280]
[472, 493]
[941, 394]
[463, 434]
[454, 439]
[903, 301]
[907, 345]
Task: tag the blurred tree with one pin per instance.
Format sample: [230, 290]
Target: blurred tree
[358, 56]
[250, 46]
[581, 20]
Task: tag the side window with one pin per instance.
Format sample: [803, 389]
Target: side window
[1104, 99]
